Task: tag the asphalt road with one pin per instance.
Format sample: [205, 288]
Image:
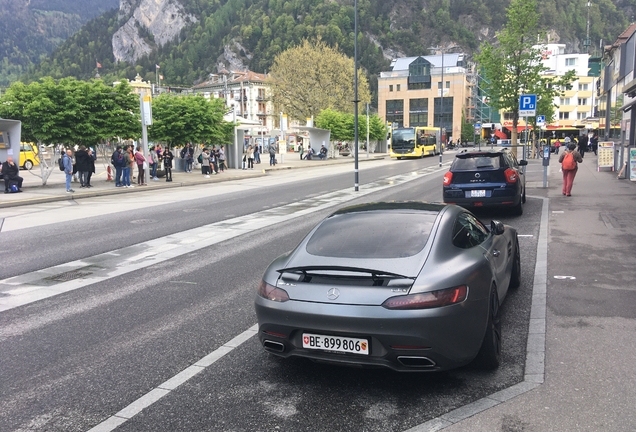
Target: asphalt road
[71, 361]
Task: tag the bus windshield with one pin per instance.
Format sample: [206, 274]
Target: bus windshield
[403, 139]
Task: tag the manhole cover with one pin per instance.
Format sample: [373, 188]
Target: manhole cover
[143, 221]
[194, 210]
[69, 275]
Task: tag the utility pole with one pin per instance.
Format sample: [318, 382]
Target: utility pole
[355, 90]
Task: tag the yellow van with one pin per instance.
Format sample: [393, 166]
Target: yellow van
[28, 156]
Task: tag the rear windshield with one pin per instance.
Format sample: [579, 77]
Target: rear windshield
[372, 235]
[474, 162]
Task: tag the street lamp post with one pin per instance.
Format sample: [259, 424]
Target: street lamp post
[441, 108]
[355, 91]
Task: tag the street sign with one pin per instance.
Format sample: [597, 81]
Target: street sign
[527, 105]
[477, 127]
[541, 120]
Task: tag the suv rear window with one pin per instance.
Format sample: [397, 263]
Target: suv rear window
[373, 235]
[476, 162]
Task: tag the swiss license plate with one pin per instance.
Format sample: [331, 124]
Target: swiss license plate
[477, 193]
[336, 343]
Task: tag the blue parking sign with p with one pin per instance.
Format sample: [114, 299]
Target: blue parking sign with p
[527, 105]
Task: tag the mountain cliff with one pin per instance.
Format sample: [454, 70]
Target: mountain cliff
[30, 29]
[190, 39]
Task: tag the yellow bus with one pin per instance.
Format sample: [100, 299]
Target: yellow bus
[415, 142]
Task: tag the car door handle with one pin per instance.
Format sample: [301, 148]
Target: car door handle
[495, 253]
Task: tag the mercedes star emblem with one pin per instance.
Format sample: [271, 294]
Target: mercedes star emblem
[333, 294]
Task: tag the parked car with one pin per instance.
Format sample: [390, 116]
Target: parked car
[486, 179]
[409, 286]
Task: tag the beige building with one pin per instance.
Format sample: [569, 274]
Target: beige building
[248, 92]
[410, 93]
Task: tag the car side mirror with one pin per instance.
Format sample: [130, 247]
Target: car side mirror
[497, 227]
[523, 162]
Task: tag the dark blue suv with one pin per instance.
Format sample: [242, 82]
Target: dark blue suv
[486, 179]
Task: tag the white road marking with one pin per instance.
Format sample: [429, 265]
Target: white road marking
[525, 235]
[166, 387]
[34, 287]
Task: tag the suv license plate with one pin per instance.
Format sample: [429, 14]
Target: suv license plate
[478, 193]
[336, 343]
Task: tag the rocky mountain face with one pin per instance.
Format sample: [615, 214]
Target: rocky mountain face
[32, 28]
[148, 24]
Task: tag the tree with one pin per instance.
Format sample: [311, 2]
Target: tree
[513, 67]
[178, 120]
[313, 77]
[341, 125]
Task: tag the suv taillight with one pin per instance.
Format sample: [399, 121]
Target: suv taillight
[511, 175]
[448, 177]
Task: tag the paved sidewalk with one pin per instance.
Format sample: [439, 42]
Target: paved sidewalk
[589, 382]
[55, 189]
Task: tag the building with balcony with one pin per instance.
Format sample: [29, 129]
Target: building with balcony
[248, 92]
[410, 93]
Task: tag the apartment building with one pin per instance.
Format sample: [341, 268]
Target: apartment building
[410, 93]
[248, 92]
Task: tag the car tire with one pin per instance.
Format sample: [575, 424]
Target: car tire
[515, 275]
[399, 158]
[28, 165]
[489, 356]
[523, 197]
[518, 209]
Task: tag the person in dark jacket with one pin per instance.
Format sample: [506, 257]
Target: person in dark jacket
[10, 173]
[119, 163]
[82, 165]
[92, 157]
[583, 147]
[167, 163]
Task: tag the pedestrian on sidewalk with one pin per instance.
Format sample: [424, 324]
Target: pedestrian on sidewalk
[167, 163]
[205, 163]
[117, 160]
[67, 160]
[250, 157]
[82, 165]
[301, 150]
[272, 154]
[569, 161]
[153, 163]
[129, 161]
[583, 147]
[594, 143]
[92, 157]
[222, 158]
[140, 159]
[257, 155]
[214, 160]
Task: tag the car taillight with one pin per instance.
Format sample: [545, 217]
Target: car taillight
[448, 177]
[428, 300]
[272, 293]
[511, 175]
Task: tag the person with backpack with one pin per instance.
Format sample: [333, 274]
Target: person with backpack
[67, 161]
[569, 161]
[187, 154]
[117, 160]
[205, 163]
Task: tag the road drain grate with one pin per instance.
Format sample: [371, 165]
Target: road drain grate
[69, 275]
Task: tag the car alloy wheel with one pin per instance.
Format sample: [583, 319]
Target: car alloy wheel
[515, 276]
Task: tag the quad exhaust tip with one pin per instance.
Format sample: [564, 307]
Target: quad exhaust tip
[416, 361]
[274, 346]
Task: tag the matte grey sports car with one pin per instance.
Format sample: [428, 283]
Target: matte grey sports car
[410, 286]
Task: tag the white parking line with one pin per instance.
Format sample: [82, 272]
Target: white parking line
[164, 389]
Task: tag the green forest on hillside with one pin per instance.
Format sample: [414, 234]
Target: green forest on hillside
[265, 28]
